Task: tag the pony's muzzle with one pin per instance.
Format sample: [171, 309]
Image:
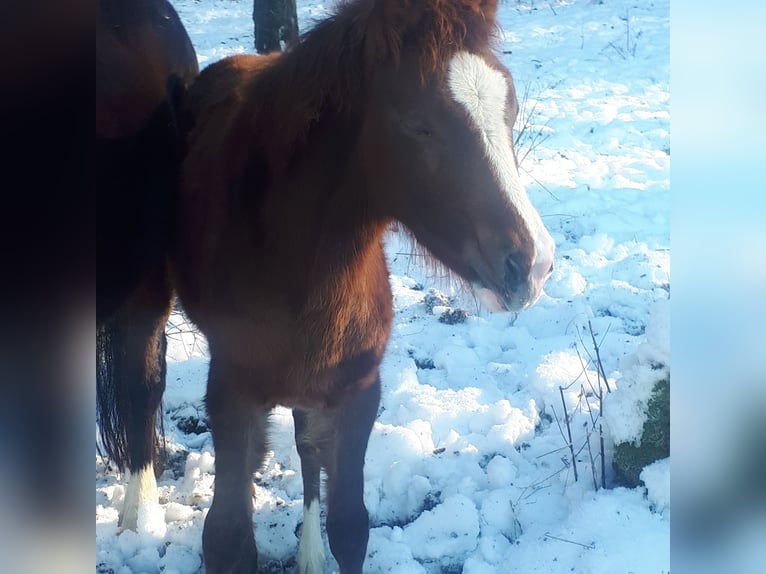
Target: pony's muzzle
[523, 291]
[538, 275]
[512, 274]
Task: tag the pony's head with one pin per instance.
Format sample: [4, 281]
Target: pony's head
[437, 145]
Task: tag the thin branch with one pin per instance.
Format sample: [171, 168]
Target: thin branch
[592, 462]
[590, 411]
[591, 360]
[569, 433]
[582, 371]
[590, 546]
[599, 365]
[550, 452]
[618, 50]
[603, 459]
[538, 182]
[585, 368]
[582, 393]
[587, 378]
[561, 430]
[536, 486]
[582, 448]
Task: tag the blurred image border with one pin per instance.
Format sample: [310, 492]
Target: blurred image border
[718, 242]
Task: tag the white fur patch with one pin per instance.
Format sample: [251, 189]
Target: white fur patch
[311, 558]
[483, 92]
[142, 489]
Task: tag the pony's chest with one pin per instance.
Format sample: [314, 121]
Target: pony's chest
[338, 343]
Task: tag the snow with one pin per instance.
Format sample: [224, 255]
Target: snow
[467, 468]
[641, 371]
[656, 477]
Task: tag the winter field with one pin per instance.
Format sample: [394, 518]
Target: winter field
[468, 468]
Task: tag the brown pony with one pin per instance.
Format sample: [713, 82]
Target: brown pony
[296, 165]
[144, 61]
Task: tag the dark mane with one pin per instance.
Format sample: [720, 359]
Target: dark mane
[450, 27]
[323, 72]
[334, 61]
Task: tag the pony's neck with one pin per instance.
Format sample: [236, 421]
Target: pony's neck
[329, 180]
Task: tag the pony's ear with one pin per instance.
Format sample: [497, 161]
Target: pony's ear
[389, 21]
[489, 9]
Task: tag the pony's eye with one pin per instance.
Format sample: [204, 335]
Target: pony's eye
[416, 128]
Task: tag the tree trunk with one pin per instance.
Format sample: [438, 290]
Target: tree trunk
[276, 25]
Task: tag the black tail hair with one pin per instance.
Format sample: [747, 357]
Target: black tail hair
[115, 394]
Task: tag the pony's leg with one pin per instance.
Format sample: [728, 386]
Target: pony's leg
[131, 382]
[347, 518]
[146, 397]
[239, 436]
[309, 440]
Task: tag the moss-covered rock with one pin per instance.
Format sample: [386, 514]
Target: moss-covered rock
[630, 459]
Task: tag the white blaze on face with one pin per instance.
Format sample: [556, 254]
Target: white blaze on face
[483, 91]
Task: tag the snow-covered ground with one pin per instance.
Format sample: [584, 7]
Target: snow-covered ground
[468, 468]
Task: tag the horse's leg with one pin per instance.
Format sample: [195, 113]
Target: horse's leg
[131, 381]
[146, 397]
[310, 436]
[239, 437]
[347, 519]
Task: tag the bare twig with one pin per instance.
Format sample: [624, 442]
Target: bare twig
[590, 411]
[561, 430]
[578, 452]
[603, 460]
[591, 360]
[618, 50]
[569, 433]
[585, 369]
[538, 182]
[590, 546]
[599, 365]
[592, 462]
[529, 136]
[536, 486]
[550, 452]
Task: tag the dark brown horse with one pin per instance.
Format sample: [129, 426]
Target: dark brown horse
[297, 164]
[144, 61]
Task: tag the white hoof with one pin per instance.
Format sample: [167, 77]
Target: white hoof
[311, 558]
[142, 489]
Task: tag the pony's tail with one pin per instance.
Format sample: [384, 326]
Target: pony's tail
[110, 400]
[123, 398]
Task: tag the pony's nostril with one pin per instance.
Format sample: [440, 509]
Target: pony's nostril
[512, 272]
[541, 270]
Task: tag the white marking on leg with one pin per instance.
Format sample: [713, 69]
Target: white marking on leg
[311, 558]
[482, 91]
[142, 489]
